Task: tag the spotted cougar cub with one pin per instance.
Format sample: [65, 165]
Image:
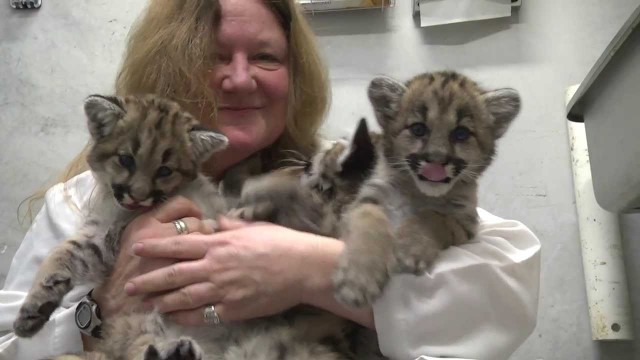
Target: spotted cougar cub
[143, 150]
[311, 197]
[439, 135]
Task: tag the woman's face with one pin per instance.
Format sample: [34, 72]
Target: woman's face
[250, 79]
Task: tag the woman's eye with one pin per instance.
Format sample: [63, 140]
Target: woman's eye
[267, 61]
[266, 57]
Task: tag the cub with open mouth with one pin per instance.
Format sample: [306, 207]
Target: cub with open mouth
[439, 133]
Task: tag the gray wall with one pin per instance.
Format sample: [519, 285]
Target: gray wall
[50, 59]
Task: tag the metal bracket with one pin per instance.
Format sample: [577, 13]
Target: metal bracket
[25, 4]
[601, 243]
[416, 5]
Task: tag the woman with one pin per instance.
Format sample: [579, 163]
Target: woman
[478, 301]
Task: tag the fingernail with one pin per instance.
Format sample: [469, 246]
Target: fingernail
[129, 288]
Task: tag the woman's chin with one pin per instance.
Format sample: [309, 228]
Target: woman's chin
[249, 137]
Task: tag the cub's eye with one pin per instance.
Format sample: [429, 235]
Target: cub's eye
[127, 162]
[325, 189]
[418, 129]
[329, 193]
[460, 134]
[163, 171]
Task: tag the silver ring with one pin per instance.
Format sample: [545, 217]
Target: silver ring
[211, 316]
[181, 226]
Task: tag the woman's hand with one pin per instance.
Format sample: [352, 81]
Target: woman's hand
[244, 270]
[154, 224]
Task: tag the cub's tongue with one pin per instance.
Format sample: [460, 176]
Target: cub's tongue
[433, 172]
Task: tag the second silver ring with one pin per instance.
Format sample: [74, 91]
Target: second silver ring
[181, 226]
[211, 316]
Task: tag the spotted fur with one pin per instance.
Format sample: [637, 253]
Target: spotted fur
[311, 198]
[439, 135]
[338, 172]
[154, 133]
[144, 149]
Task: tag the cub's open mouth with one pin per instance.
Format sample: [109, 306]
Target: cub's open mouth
[433, 172]
[443, 181]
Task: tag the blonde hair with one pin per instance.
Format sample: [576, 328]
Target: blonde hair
[171, 48]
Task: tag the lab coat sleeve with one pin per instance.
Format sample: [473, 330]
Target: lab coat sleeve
[60, 217]
[478, 301]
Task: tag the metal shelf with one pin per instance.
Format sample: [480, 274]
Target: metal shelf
[341, 5]
[416, 5]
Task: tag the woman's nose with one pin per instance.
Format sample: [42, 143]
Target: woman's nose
[238, 75]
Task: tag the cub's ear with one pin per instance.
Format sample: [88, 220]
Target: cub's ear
[385, 94]
[103, 112]
[359, 159]
[504, 106]
[205, 142]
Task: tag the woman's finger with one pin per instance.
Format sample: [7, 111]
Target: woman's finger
[176, 208]
[193, 225]
[167, 278]
[191, 247]
[227, 223]
[186, 298]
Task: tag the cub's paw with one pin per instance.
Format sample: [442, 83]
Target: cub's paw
[32, 317]
[359, 284]
[238, 213]
[411, 260]
[262, 211]
[411, 265]
[182, 349]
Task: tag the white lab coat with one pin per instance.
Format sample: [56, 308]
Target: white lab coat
[479, 301]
